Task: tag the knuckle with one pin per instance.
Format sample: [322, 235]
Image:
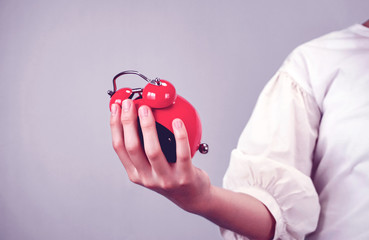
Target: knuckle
[114, 122]
[184, 155]
[126, 119]
[168, 185]
[153, 154]
[149, 183]
[135, 179]
[147, 123]
[184, 182]
[133, 147]
[117, 144]
[181, 136]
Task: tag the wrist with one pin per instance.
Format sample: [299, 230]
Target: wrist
[206, 204]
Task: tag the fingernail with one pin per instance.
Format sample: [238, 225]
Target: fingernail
[143, 112]
[113, 109]
[177, 123]
[126, 105]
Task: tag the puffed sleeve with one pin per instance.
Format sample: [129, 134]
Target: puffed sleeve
[273, 158]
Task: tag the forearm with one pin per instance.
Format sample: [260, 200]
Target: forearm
[240, 213]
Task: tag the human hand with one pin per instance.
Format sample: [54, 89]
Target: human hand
[181, 182]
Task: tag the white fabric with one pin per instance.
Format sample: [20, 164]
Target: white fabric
[305, 151]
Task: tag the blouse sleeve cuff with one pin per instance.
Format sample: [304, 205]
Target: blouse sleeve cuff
[288, 194]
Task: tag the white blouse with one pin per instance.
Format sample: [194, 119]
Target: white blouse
[305, 150]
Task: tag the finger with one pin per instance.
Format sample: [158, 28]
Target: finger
[151, 141]
[131, 138]
[182, 145]
[118, 139]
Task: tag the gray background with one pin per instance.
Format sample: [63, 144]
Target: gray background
[59, 176]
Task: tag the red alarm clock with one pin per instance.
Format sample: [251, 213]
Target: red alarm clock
[166, 105]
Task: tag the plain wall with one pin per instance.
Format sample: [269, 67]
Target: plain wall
[59, 176]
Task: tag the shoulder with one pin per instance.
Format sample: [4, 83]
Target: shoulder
[313, 64]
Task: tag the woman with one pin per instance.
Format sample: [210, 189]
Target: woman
[301, 165]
